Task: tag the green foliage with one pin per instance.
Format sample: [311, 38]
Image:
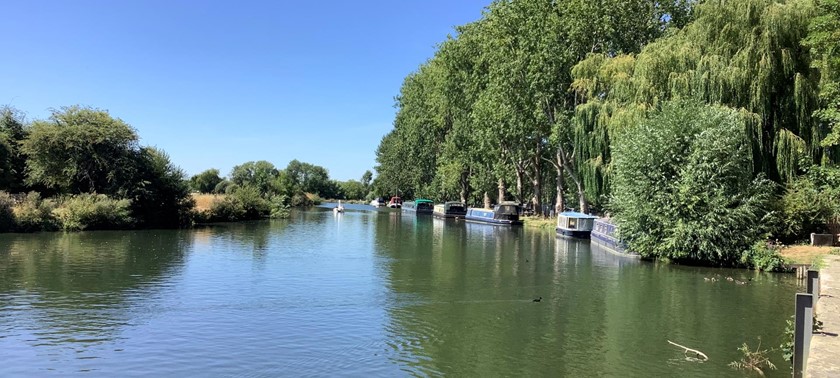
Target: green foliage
[310, 178]
[6, 170]
[80, 150]
[279, 207]
[206, 182]
[683, 188]
[93, 212]
[12, 160]
[353, 189]
[753, 360]
[223, 186]
[244, 203]
[257, 174]
[35, 214]
[7, 215]
[762, 256]
[810, 202]
[160, 195]
[824, 42]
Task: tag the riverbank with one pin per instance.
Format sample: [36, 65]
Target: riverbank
[807, 254]
[539, 223]
[825, 345]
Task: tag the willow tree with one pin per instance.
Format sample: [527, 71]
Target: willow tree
[824, 41]
[742, 53]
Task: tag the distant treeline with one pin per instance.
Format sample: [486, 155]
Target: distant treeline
[704, 128]
[82, 169]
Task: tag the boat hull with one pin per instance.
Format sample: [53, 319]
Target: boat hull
[449, 215]
[576, 234]
[496, 222]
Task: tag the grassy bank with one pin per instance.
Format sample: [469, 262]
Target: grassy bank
[540, 223]
[807, 254]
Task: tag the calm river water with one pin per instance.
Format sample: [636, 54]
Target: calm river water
[367, 293]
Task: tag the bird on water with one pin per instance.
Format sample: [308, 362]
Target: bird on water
[537, 299]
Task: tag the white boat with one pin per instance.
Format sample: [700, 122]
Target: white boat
[339, 208]
[378, 202]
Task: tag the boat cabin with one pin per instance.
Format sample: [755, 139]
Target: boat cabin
[505, 213]
[419, 206]
[450, 209]
[574, 224]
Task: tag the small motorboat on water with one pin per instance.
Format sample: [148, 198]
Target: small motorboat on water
[395, 202]
[378, 202]
[338, 209]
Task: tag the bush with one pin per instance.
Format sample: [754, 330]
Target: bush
[244, 203]
[279, 207]
[683, 187]
[7, 216]
[809, 203]
[764, 257]
[301, 200]
[35, 214]
[93, 212]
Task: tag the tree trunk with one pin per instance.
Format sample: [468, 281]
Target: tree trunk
[519, 174]
[537, 182]
[465, 186]
[584, 205]
[486, 200]
[501, 191]
[560, 203]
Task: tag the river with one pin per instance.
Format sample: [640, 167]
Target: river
[368, 293]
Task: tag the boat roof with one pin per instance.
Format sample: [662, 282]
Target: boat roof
[420, 200]
[575, 214]
[453, 202]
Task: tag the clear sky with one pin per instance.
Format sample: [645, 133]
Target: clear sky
[216, 84]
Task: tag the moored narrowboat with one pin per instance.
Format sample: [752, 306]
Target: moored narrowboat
[418, 206]
[505, 213]
[450, 209]
[574, 224]
[605, 236]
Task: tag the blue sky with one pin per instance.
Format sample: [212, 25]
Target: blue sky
[216, 84]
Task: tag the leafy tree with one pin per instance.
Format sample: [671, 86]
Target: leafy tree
[259, 174]
[310, 178]
[160, 195]
[367, 177]
[80, 150]
[683, 185]
[824, 41]
[353, 189]
[12, 160]
[809, 204]
[205, 182]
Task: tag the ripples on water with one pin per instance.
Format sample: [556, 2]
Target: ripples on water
[364, 293]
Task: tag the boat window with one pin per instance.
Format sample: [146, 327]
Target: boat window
[572, 223]
[507, 210]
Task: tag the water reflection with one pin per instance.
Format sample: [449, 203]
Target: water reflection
[464, 306]
[77, 290]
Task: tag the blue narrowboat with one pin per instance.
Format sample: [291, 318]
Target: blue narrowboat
[574, 224]
[450, 209]
[505, 213]
[418, 206]
[605, 236]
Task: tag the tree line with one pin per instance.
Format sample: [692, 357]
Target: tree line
[83, 169]
[688, 122]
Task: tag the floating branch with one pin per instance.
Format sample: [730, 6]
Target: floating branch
[695, 351]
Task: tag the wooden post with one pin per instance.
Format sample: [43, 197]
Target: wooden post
[813, 284]
[802, 330]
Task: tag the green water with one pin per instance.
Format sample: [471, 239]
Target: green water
[367, 293]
